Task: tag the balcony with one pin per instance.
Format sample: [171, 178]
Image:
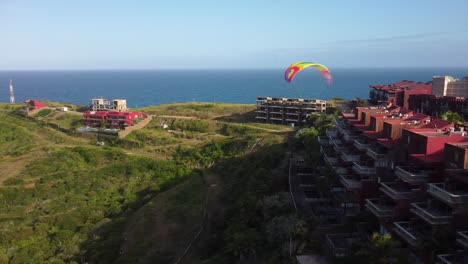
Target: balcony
[350, 157]
[377, 154]
[363, 170]
[453, 196]
[339, 123]
[331, 160]
[450, 259]
[349, 136]
[412, 175]
[462, 238]
[341, 244]
[379, 208]
[323, 141]
[338, 148]
[336, 141]
[407, 232]
[361, 144]
[397, 191]
[432, 216]
[350, 182]
[341, 170]
[331, 133]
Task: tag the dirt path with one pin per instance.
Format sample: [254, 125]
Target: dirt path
[178, 117]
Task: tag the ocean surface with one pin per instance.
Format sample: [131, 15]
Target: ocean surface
[153, 87]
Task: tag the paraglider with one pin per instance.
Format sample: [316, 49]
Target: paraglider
[295, 68]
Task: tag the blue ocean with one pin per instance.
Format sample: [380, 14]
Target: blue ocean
[153, 87]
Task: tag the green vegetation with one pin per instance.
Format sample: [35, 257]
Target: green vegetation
[69, 193]
[14, 140]
[453, 117]
[65, 200]
[380, 249]
[44, 112]
[200, 110]
[199, 126]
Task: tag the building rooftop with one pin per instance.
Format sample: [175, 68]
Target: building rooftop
[463, 144]
[402, 85]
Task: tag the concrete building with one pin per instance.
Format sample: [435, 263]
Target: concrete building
[287, 111]
[101, 104]
[449, 86]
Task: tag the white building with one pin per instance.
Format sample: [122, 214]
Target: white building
[101, 104]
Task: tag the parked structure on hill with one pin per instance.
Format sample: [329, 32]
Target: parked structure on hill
[101, 104]
[287, 111]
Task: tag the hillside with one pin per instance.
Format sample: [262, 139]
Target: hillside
[141, 199]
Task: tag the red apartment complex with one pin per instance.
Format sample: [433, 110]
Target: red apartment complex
[407, 170]
[113, 119]
[398, 93]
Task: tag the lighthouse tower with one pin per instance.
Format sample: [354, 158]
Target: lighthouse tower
[12, 96]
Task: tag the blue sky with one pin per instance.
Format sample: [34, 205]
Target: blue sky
[87, 34]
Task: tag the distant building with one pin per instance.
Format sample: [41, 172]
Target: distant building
[31, 105]
[287, 111]
[397, 93]
[101, 104]
[112, 118]
[62, 109]
[449, 86]
[436, 105]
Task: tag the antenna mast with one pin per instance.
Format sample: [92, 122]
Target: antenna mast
[12, 96]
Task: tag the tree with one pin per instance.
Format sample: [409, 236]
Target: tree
[453, 117]
[321, 122]
[242, 241]
[307, 136]
[381, 250]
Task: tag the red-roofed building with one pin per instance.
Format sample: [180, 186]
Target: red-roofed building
[408, 169]
[34, 104]
[111, 118]
[398, 93]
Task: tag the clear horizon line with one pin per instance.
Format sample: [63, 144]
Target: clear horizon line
[224, 69]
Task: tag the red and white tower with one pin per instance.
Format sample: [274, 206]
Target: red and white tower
[12, 96]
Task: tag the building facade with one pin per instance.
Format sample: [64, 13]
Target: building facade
[287, 111]
[434, 105]
[449, 86]
[111, 119]
[397, 93]
[101, 104]
[407, 171]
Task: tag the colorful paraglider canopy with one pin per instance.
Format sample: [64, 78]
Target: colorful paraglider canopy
[295, 68]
